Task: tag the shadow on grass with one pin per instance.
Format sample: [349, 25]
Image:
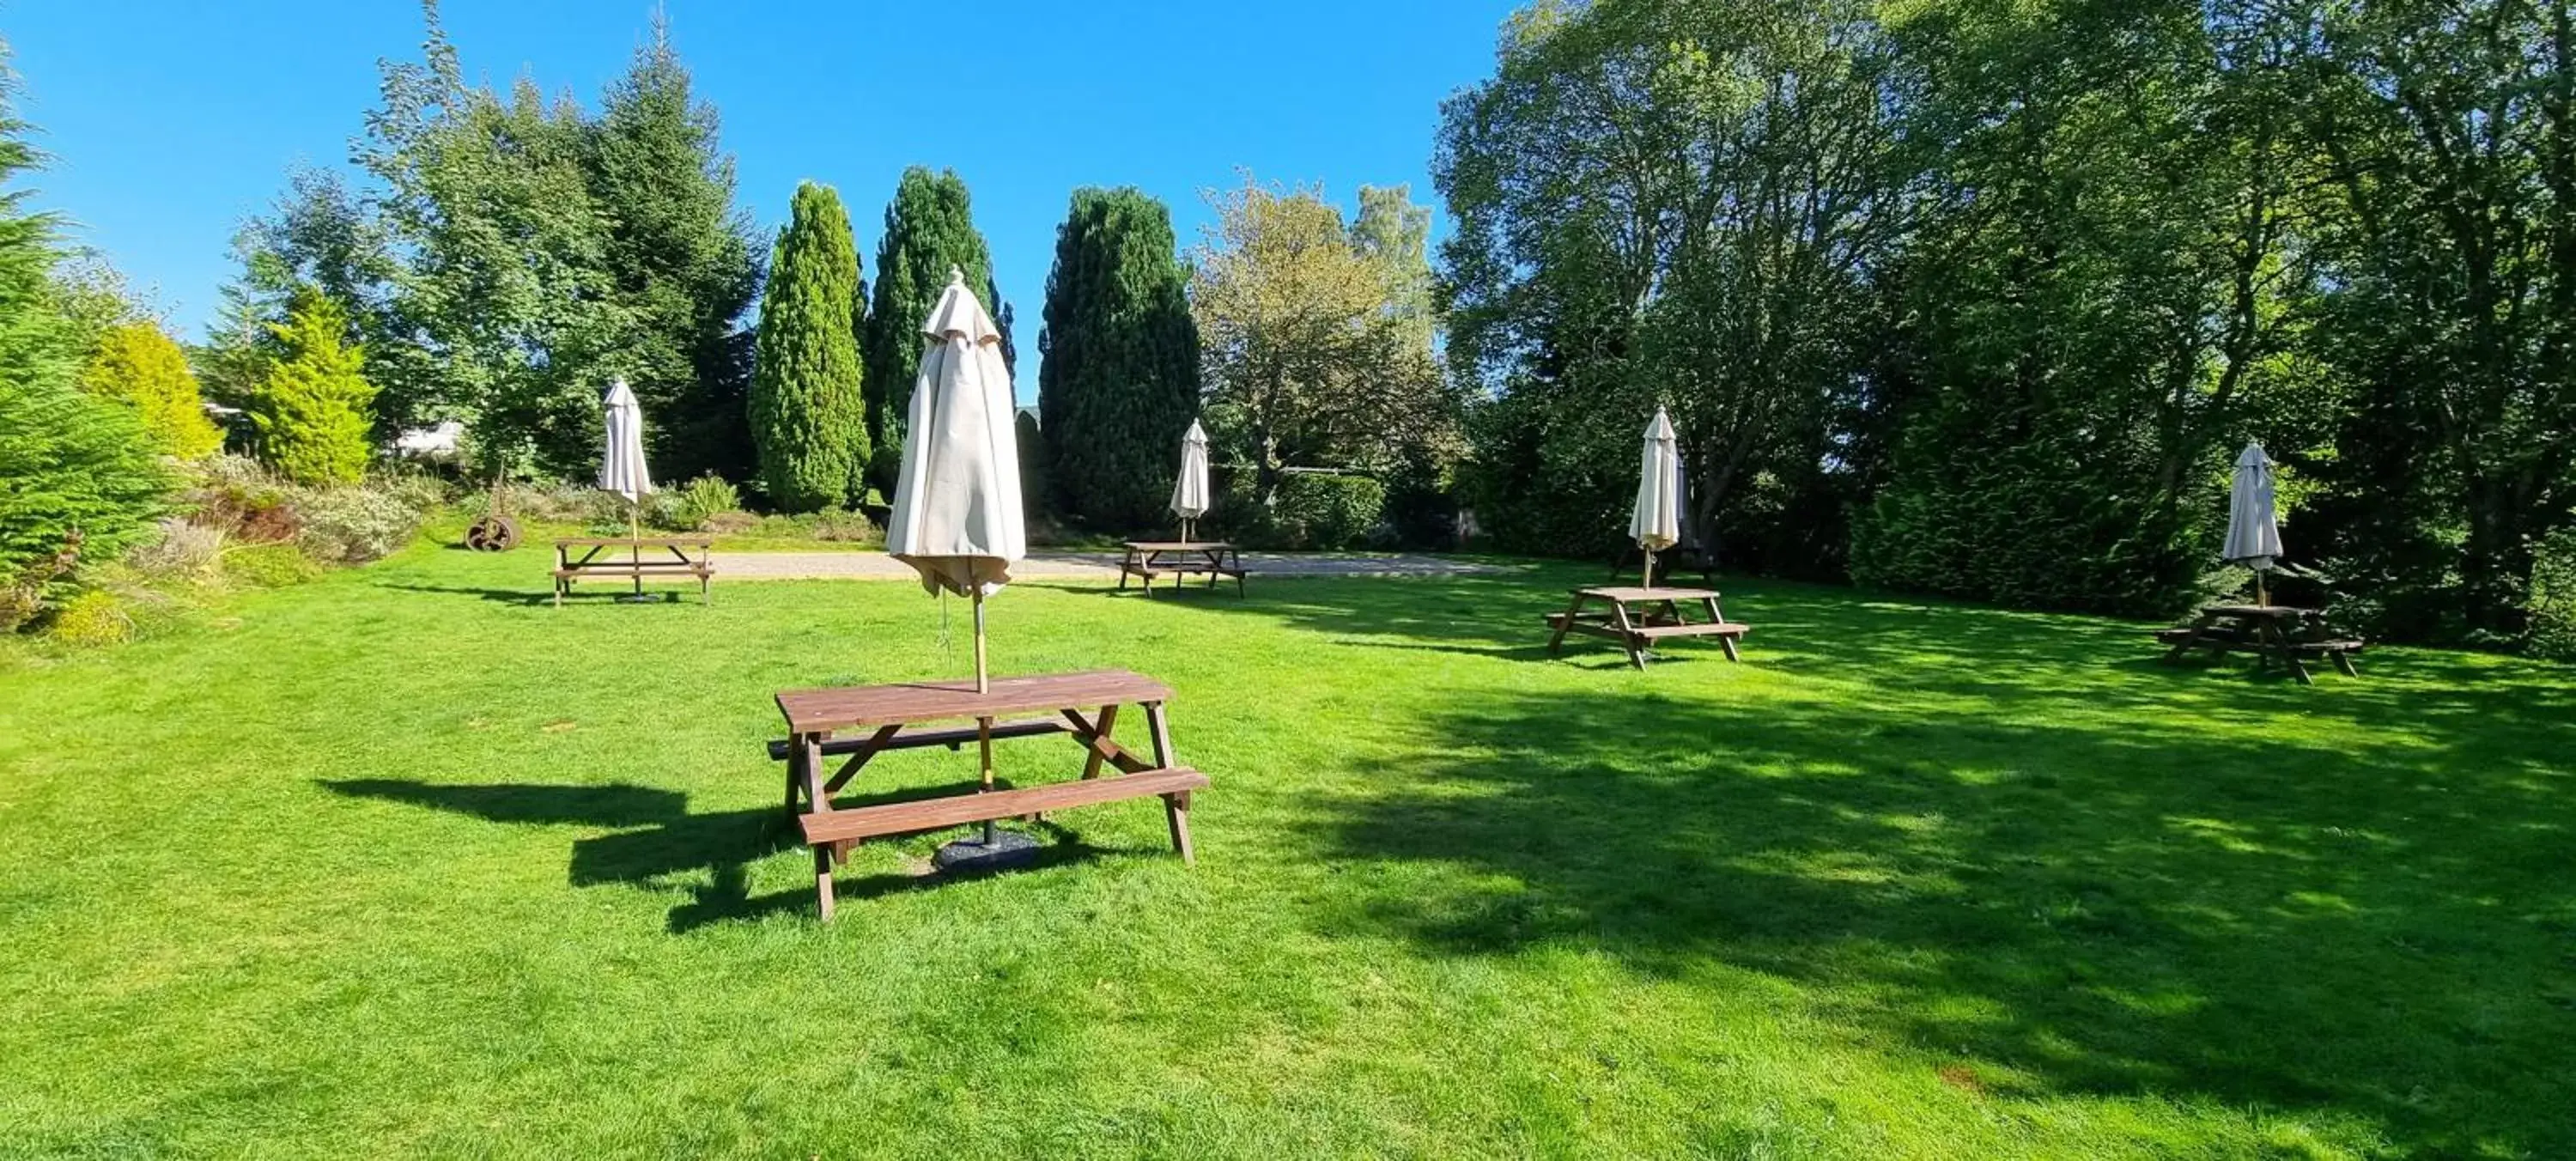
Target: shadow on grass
[658, 841]
[2066, 883]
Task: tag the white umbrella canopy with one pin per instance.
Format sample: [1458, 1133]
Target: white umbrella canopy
[621, 468]
[1190, 491]
[2253, 527]
[1656, 522]
[957, 516]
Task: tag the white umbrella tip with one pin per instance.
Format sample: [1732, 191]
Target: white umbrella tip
[956, 277]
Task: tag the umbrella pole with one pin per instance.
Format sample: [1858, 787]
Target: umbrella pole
[635, 542]
[1646, 579]
[2262, 597]
[983, 725]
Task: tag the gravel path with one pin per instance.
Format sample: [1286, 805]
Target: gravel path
[1080, 566]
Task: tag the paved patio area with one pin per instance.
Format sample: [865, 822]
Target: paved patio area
[734, 566]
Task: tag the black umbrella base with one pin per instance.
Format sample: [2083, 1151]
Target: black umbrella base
[1008, 849]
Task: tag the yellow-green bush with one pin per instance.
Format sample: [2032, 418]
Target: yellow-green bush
[96, 617]
[139, 366]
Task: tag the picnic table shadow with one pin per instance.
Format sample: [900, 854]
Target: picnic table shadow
[655, 842]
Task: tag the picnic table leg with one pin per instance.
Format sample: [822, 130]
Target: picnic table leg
[1628, 634]
[1556, 641]
[1237, 555]
[809, 747]
[1162, 731]
[1725, 641]
[2175, 655]
[1107, 719]
[2343, 663]
[1176, 810]
[2289, 656]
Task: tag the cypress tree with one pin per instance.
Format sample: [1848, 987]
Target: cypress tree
[807, 417]
[1118, 380]
[138, 365]
[76, 472]
[683, 261]
[928, 229]
[313, 411]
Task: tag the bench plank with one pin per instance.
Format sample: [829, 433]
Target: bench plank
[839, 826]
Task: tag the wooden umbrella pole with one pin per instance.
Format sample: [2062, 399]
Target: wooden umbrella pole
[635, 541]
[2262, 597]
[982, 684]
[1647, 578]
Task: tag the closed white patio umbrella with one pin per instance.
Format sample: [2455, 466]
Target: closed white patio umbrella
[621, 466]
[956, 515]
[1190, 491]
[1656, 521]
[2253, 528]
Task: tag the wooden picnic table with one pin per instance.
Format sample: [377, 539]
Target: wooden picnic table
[1637, 617]
[865, 721]
[2269, 632]
[674, 557]
[1152, 558]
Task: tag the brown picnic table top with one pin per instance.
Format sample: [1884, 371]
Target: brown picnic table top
[1180, 545]
[813, 711]
[691, 540]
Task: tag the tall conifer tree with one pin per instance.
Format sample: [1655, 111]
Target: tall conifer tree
[929, 228]
[683, 259]
[808, 419]
[1119, 381]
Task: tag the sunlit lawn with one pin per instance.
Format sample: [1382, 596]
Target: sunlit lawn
[406, 862]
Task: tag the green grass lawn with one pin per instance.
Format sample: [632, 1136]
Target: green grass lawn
[405, 862]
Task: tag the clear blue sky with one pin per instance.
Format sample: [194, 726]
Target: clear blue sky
[170, 121]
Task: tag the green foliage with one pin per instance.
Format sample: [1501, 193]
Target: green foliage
[1119, 381]
[140, 366]
[1320, 510]
[1312, 348]
[77, 475]
[929, 228]
[2553, 598]
[312, 411]
[94, 619]
[808, 417]
[706, 496]
[271, 566]
[682, 260]
[354, 525]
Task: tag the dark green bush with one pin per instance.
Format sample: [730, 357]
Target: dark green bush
[1325, 511]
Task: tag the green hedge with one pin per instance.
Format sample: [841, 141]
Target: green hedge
[1321, 511]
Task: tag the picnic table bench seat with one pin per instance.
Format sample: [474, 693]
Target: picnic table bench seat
[900, 818]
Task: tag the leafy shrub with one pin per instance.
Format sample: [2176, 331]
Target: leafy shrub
[704, 497]
[2552, 606]
[836, 524]
[270, 566]
[729, 523]
[1325, 511]
[184, 551]
[94, 618]
[353, 525]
